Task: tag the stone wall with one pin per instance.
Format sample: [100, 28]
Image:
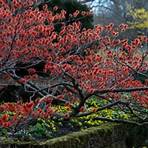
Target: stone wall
[105, 136]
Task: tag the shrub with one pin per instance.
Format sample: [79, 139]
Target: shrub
[80, 64]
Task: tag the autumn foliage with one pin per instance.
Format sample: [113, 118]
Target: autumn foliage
[80, 63]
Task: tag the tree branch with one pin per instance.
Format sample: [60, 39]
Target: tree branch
[120, 121]
[118, 90]
[102, 108]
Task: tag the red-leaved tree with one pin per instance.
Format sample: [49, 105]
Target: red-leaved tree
[80, 63]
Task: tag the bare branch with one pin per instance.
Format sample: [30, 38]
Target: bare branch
[118, 90]
[102, 108]
[120, 121]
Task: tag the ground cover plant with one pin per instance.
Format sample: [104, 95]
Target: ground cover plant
[88, 72]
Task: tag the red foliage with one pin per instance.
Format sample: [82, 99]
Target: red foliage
[22, 111]
[90, 61]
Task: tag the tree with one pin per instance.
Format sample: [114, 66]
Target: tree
[70, 7]
[131, 12]
[140, 18]
[80, 64]
[118, 10]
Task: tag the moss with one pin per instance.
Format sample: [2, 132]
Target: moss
[93, 130]
[107, 135]
[80, 139]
